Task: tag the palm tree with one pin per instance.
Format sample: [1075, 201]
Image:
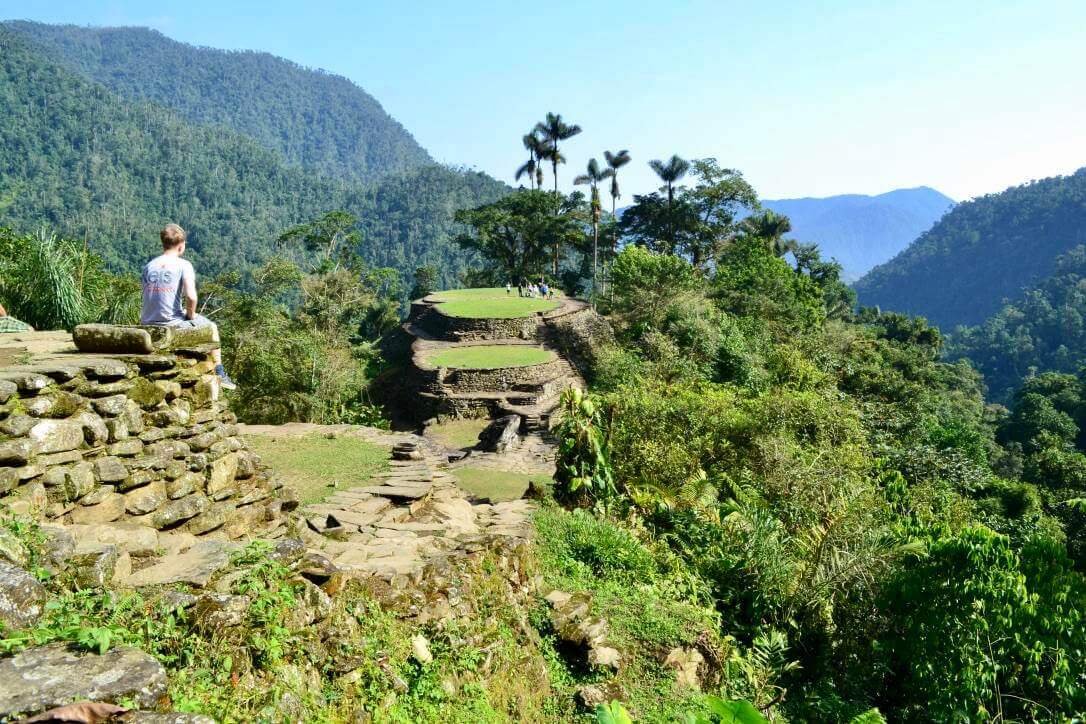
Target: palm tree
[592, 176]
[553, 129]
[533, 167]
[615, 161]
[772, 227]
[670, 173]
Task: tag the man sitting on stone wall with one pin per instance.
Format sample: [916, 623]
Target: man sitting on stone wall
[169, 294]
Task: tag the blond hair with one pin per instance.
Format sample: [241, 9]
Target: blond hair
[172, 236]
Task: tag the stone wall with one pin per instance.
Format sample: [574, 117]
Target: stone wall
[579, 334]
[439, 325]
[141, 438]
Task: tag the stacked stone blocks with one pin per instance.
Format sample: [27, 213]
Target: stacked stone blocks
[130, 426]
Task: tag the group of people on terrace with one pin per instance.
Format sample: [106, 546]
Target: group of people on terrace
[530, 289]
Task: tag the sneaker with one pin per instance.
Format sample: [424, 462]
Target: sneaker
[224, 379]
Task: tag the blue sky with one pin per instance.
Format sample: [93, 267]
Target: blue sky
[806, 98]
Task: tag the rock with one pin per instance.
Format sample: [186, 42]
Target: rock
[78, 481]
[138, 478]
[52, 436]
[196, 566]
[12, 549]
[94, 565]
[247, 465]
[17, 425]
[98, 495]
[29, 382]
[177, 511]
[15, 452]
[220, 610]
[500, 435]
[126, 448]
[112, 338]
[313, 605]
[420, 649]
[287, 551]
[9, 479]
[139, 540]
[22, 600]
[213, 518]
[146, 499]
[174, 469]
[110, 469]
[111, 406]
[54, 675]
[7, 389]
[133, 416]
[173, 600]
[183, 485]
[170, 390]
[57, 548]
[145, 394]
[111, 508]
[95, 431]
[60, 458]
[117, 428]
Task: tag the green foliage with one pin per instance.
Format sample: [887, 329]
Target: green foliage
[516, 235]
[1041, 330]
[53, 283]
[1006, 241]
[584, 464]
[613, 713]
[300, 345]
[977, 631]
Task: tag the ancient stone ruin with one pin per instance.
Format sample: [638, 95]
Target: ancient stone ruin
[127, 425]
[572, 332]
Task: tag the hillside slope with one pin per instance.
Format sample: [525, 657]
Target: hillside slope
[76, 158]
[983, 252]
[1043, 331]
[316, 120]
[862, 231]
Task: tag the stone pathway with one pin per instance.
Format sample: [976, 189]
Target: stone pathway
[412, 515]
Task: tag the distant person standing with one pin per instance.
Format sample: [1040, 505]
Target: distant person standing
[169, 294]
[508, 288]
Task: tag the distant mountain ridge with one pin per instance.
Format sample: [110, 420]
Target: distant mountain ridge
[983, 252]
[318, 121]
[862, 231]
[79, 159]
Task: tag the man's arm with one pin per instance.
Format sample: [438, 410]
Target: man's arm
[188, 279]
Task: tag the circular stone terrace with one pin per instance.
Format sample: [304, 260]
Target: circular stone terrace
[491, 303]
[489, 356]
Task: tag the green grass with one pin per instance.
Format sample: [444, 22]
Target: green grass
[491, 356]
[458, 432]
[490, 303]
[497, 485]
[309, 463]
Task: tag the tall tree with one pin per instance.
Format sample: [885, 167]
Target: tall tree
[553, 129]
[533, 167]
[615, 161]
[771, 227]
[593, 176]
[670, 172]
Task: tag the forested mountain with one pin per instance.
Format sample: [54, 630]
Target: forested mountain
[860, 231]
[76, 157]
[316, 120]
[983, 252]
[1044, 331]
